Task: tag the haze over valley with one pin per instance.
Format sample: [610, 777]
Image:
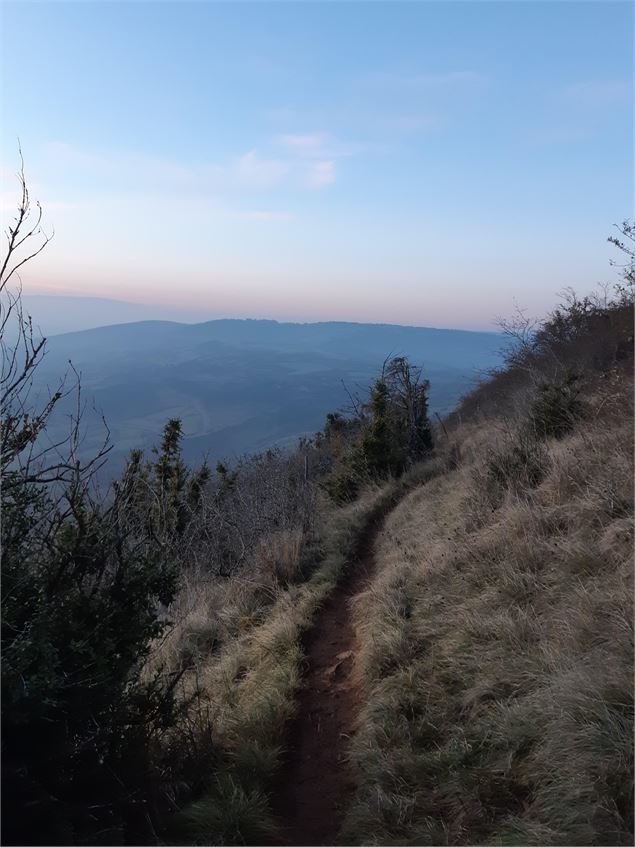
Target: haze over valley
[244, 385]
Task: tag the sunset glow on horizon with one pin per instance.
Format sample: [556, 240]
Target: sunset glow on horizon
[418, 163]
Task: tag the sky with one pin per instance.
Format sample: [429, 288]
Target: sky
[427, 163]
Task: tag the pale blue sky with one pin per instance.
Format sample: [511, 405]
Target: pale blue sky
[421, 162]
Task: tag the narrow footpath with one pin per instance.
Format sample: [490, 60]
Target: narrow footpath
[316, 782]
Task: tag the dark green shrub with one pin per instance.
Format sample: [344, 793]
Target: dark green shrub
[343, 485]
[84, 584]
[557, 407]
[394, 432]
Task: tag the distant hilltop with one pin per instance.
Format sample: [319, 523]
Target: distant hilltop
[56, 314]
[246, 385]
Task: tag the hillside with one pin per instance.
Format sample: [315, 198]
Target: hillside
[482, 691]
[495, 645]
[241, 386]
[392, 634]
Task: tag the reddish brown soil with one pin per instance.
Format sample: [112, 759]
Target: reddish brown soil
[317, 780]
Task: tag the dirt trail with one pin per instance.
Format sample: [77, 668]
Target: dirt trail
[316, 781]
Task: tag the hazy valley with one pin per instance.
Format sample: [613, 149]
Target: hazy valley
[244, 385]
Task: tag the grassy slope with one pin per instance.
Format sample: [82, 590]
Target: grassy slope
[247, 687]
[496, 643]
[497, 649]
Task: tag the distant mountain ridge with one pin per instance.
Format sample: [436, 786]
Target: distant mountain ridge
[330, 337]
[242, 385]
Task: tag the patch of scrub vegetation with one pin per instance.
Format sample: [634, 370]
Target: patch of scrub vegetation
[247, 689]
[496, 640]
[246, 692]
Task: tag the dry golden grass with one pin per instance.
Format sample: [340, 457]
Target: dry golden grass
[497, 649]
[245, 669]
[278, 557]
[210, 611]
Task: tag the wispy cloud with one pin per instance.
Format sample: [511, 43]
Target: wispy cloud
[306, 144]
[580, 111]
[254, 171]
[598, 92]
[297, 166]
[410, 101]
[559, 135]
[264, 215]
[38, 192]
[413, 122]
[318, 145]
[142, 167]
[430, 81]
[321, 173]
[316, 155]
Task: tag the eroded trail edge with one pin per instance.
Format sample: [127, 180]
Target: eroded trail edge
[316, 780]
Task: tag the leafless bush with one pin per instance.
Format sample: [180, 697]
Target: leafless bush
[262, 495]
[26, 452]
